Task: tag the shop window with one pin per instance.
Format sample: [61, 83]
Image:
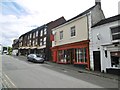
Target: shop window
[115, 59]
[62, 56]
[66, 56]
[80, 54]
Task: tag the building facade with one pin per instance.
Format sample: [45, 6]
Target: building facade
[38, 40]
[105, 44]
[15, 44]
[71, 39]
[15, 47]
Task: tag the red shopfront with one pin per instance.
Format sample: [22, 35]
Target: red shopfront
[74, 53]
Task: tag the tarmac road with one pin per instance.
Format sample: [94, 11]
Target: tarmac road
[23, 74]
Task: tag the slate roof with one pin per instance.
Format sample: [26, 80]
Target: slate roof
[108, 20]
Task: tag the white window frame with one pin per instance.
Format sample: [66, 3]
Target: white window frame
[41, 33]
[37, 33]
[45, 31]
[44, 41]
[30, 35]
[61, 35]
[72, 31]
[41, 42]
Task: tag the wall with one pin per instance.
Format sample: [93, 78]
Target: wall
[81, 32]
[104, 33]
[96, 15]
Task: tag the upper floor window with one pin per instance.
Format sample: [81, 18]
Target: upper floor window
[40, 42]
[36, 33]
[21, 38]
[30, 42]
[45, 31]
[36, 41]
[28, 37]
[31, 35]
[115, 32]
[73, 31]
[33, 42]
[41, 33]
[61, 35]
[44, 42]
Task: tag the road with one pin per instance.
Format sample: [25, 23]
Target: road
[23, 74]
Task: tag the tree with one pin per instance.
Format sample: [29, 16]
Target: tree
[9, 50]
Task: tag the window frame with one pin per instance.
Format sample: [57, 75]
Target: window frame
[72, 31]
[61, 35]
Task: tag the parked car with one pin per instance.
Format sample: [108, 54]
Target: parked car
[5, 52]
[36, 58]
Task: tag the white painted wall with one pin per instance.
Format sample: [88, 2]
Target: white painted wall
[103, 44]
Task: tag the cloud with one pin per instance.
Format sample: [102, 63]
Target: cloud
[20, 16]
[13, 8]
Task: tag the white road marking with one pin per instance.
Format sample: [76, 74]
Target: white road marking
[8, 81]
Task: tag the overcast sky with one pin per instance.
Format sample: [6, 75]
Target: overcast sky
[20, 16]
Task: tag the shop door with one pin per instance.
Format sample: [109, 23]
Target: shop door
[97, 63]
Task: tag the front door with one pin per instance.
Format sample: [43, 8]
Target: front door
[97, 63]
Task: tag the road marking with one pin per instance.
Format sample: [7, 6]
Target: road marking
[9, 81]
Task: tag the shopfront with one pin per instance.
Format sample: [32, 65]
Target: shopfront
[74, 53]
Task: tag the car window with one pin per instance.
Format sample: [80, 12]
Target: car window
[39, 55]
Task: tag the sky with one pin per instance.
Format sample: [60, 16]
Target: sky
[20, 16]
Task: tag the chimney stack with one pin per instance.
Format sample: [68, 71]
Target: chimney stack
[98, 2]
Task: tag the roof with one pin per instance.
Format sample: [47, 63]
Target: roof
[108, 20]
[33, 30]
[81, 14]
[43, 26]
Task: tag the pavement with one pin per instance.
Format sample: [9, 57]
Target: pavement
[80, 70]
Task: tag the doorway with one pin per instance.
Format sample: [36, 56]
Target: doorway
[97, 63]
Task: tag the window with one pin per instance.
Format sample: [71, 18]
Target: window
[45, 31]
[61, 35]
[31, 35]
[36, 33]
[28, 37]
[30, 42]
[73, 32]
[36, 41]
[33, 42]
[40, 42]
[80, 54]
[44, 42]
[41, 33]
[115, 32]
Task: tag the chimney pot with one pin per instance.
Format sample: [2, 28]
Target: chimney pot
[98, 2]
